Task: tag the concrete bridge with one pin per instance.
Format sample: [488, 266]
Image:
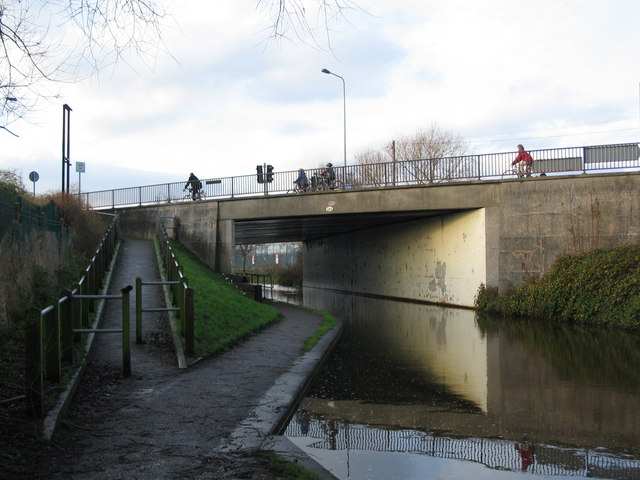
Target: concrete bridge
[430, 243]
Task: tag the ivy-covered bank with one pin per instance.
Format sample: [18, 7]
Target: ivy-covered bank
[601, 287]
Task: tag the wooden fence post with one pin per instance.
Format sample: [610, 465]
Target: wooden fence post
[138, 310]
[126, 335]
[66, 327]
[53, 368]
[33, 363]
[189, 346]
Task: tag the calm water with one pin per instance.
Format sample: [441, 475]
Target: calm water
[422, 392]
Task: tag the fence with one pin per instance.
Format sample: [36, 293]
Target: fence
[53, 331]
[17, 211]
[569, 160]
[181, 293]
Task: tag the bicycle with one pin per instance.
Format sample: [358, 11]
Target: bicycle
[199, 195]
[511, 173]
[319, 183]
[299, 189]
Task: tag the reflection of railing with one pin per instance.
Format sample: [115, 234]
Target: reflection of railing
[496, 454]
[570, 160]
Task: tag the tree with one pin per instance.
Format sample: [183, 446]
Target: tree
[104, 32]
[304, 18]
[10, 180]
[428, 156]
[245, 251]
[33, 54]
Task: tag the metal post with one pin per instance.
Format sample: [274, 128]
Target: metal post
[66, 146]
[126, 340]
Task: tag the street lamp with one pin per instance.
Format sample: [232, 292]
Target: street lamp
[344, 108]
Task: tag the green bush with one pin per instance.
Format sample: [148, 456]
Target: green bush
[601, 287]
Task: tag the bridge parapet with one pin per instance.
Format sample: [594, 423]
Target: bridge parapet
[568, 160]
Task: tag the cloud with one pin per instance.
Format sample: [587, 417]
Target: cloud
[497, 72]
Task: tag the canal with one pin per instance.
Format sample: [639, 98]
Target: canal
[416, 391]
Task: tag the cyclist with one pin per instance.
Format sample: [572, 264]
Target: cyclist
[302, 181]
[329, 175]
[194, 185]
[524, 162]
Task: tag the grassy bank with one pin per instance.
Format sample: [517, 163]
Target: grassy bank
[223, 315]
[601, 287]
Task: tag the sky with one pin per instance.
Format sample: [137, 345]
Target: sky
[496, 73]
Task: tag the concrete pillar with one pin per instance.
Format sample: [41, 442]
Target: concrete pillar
[225, 242]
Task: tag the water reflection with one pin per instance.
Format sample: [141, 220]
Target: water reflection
[284, 294]
[439, 385]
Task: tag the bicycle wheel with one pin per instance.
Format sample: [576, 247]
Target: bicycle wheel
[510, 173]
[338, 184]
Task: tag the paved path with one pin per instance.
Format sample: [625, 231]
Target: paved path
[170, 423]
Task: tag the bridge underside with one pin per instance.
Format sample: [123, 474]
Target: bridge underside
[315, 227]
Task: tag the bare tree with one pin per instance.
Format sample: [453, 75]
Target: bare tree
[245, 251]
[432, 155]
[374, 168]
[303, 19]
[34, 55]
[428, 156]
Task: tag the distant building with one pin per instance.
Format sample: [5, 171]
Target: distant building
[268, 254]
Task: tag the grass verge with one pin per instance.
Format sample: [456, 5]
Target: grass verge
[328, 322]
[223, 315]
[287, 470]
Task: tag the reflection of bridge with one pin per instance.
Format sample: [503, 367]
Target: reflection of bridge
[495, 454]
[524, 380]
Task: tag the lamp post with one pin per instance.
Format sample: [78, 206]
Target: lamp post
[344, 109]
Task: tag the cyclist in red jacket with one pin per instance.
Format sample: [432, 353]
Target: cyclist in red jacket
[524, 162]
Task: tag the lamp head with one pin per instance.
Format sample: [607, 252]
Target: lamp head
[324, 70]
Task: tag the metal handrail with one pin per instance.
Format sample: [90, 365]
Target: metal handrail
[492, 166]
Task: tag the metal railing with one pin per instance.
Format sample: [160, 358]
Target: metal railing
[568, 160]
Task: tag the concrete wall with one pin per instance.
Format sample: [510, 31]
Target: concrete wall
[196, 226]
[438, 260]
[535, 221]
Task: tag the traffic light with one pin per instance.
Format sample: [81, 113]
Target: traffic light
[260, 176]
[269, 173]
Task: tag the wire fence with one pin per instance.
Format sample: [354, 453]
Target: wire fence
[19, 215]
[568, 160]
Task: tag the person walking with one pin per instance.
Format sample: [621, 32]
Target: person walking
[524, 162]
